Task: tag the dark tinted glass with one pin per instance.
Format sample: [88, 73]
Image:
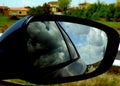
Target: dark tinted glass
[46, 45]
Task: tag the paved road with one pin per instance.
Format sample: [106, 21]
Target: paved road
[117, 60]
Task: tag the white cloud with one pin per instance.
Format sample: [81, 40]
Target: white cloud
[50, 59]
[94, 49]
[78, 28]
[91, 54]
[94, 37]
[46, 44]
[89, 41]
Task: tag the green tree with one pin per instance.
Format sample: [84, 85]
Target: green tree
[63, 4]
[90, 11]
[76, 13]
[103, 11]
[32, 10]
[46, 8]
[36, 10]
[117, 13]
[110, 10]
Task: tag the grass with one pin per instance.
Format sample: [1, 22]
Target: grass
[114, 25]
[5, 23]
[4, 20]
[111, 24]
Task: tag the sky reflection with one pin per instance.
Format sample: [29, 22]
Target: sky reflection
[90, 42]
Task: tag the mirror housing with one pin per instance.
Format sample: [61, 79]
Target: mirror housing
[13, 43]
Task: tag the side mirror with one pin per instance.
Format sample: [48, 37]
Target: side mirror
[48, 49]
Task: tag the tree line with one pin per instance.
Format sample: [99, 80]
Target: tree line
[109, 12]
[45, 9]
[97, 11]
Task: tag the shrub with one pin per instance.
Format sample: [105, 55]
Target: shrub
[13, 18]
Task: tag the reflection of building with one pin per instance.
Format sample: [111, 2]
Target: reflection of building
[18, 11]
[4, 10]
[83, 6]
[53, 6]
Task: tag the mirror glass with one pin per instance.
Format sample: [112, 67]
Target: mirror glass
[46, 46]
[90, 43]
[52, 42]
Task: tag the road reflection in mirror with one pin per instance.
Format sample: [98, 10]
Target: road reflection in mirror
[90, 43]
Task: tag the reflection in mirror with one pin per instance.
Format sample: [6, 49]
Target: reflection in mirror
[49, 45]
[90, 43]
[46, 46]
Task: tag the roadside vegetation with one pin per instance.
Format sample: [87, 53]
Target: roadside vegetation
[5, 22]
[97, 11]
[113, 24]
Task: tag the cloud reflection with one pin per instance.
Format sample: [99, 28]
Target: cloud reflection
[47, 48]
[90, 42]
[46, 44]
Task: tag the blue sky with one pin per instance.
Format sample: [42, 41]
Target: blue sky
[22, 3]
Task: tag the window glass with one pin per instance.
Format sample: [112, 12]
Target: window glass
[46, 45]
[90, 42]
[20, 12]
[73, 52]
[14, 13]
